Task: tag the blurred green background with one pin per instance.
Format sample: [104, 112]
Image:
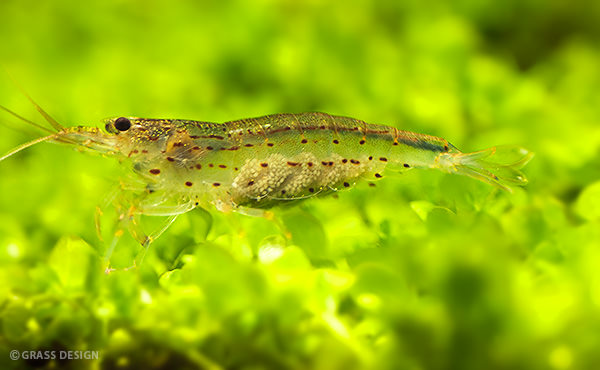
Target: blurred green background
[425, 271]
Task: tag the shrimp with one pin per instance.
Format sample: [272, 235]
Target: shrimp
[251, 165]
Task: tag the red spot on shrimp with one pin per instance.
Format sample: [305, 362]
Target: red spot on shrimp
[310, 164]
[198, 166]
[209, 148]
[251, 182]
[196, 148]
[248, 145]
[170, 159]
[270, 144]
[312, 190]
[188, 183]
[362, 142]
[335, 141]
[293, 164]
[354, 161]
[346, 185]
[155, 171]
[383, 159]
[216, 184]
[370, 157]
[406, 165]
[378, 175]
[264, 165]
[304, 141]
[222, 166]
[211, 165]
[344, 160]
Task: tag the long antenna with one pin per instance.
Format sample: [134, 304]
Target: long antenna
[27, 145]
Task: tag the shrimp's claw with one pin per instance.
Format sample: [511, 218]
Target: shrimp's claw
[499, 166]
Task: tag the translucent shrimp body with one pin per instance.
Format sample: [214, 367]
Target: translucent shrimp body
[262, 162]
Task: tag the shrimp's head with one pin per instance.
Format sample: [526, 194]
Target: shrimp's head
[122, 135]
[136, 134]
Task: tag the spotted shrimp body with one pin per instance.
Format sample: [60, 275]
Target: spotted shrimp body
[262, 162]
[267, 161]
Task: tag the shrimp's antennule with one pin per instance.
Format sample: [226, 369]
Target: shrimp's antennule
[56, 135]
[44, 114]
[57, 126]
[25, 119]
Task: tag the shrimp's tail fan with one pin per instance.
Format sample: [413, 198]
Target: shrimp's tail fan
[499, 166]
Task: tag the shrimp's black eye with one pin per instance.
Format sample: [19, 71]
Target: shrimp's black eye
[122, 124]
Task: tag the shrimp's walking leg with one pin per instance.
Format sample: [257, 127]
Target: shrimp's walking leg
[122, 223]
[130, 219]
[145, 240]
[108, 200]
[114, 198]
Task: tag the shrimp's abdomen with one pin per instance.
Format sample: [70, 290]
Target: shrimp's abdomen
[293, 156]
